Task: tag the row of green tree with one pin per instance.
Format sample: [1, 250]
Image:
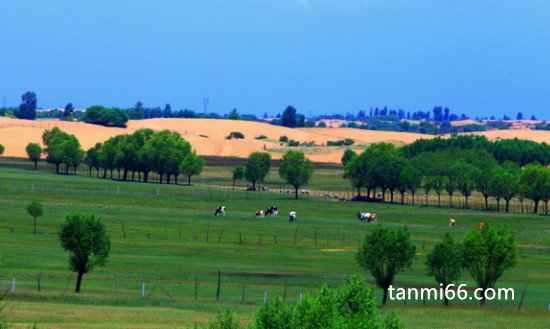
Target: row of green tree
[446, 170]
[142, 152]
[165, 153]
[515, 150]
[485, 253]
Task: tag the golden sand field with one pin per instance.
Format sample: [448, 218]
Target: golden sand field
[534, 135]
[208, 136]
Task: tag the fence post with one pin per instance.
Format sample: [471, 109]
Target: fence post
[219, 286]
[196, 287]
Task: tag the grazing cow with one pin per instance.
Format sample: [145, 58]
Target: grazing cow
[327, 196]
[272, 211]
[452, 223]
[306, 192]
[260, 214]
[220, 211]
[372, 218]
[480, 226]
[265, 189]
[292, 216]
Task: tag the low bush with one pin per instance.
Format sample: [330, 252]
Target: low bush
[235, 135]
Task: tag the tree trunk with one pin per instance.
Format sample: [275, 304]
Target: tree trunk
[451, 200]
[66, 169]
[90, 172]
[176, 179]
[161, 177]
[385, 299]
[133, 175]
[466, 202]
[145, 176]
[439, 200]
[57, 168]
[536, 209]
[189, 180]
[498, 204]
[78, 281]
[391, 196]
[254, 184]
[97, 172]
[111, 174]
[482, 301]
[486, 196]
[412, 197]
[36, 165]
[125, 174]
[168, 178]
[104, 173]
[402, 198]
[507, 204]
[359, 192]
[296, 192]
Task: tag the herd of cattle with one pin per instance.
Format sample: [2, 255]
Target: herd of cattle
[273, 211]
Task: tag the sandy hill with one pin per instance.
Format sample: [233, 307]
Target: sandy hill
[208, 136]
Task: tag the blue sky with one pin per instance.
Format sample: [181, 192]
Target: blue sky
[325, 56]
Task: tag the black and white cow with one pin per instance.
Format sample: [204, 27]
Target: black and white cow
[220, 211]
[260, 214]
[292, 216]
[272, 211]
[370, 218]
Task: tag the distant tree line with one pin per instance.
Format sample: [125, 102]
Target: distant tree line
[502, 169]
[165, 153]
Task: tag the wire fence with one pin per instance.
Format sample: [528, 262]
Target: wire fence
[457, 201]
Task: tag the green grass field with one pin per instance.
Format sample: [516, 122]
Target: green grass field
[166, 247]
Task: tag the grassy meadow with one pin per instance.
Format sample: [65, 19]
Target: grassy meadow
[166, 237]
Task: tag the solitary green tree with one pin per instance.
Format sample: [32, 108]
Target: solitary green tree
[257, 167]
[34, 152]
[1, 149]
[233, 115]
[87, 241]
[68, 111]
[348, 155]
[36, 210]
[191, 166]
[385, 253]
[238, 174]
[27, 109]
[444, 262]
[487, 253]
[296, 169]
[289, 117]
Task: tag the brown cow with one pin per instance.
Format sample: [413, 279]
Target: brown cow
[480, 226]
